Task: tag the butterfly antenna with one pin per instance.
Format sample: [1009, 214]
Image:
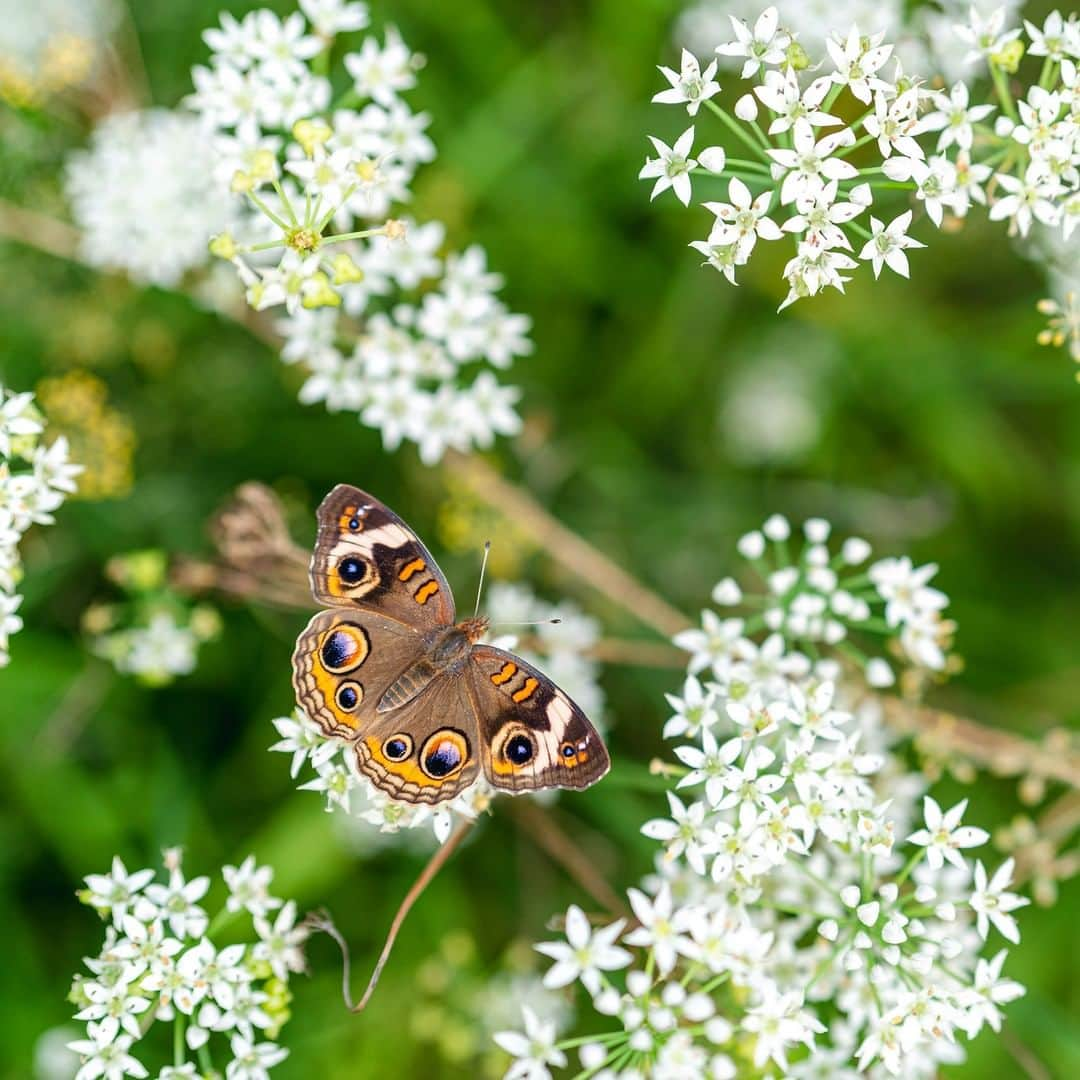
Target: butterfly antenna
[528, 622]
[483, 569]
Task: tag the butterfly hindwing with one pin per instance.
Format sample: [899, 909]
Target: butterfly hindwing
[428, 749]
[532, 734]
[367, 557]
[344, 662]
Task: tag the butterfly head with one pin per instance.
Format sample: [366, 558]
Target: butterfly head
[475, 628]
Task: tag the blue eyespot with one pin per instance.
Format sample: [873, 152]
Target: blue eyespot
[396, 748]
[519, 750]
[352, 570]
[348, 696]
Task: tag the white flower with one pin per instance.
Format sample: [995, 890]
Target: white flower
[534, 1050]
[809, 164]
[117, 891]
[251, 1060]
[145, 195]
[765, 44]
[779, 1022]
[988, 992]
[585, 953]
[780, 92]
[176, 903]
[1029, 199]
[332, 17]
[1053, 40]
[281, 944]
[992, 904]
[985, 35]
[743, 220]
[888, 243]
[690, 85]
[664, 928]
[382, 73]
[955, 118]
[905, 589]
[248, 885]
[106, 1055]
[672, 167]
[857, 61]
[944, 837]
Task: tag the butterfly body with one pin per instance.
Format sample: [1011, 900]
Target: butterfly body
[426, 706]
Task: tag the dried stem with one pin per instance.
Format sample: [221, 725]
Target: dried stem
[322, 922]
[39, 231]
[999, 751]
[544, 831]
[574, 553]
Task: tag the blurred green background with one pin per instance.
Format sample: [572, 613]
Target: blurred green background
[668, 413]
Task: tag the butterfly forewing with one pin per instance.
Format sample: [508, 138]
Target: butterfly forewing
[367, 557]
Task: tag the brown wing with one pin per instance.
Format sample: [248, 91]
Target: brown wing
[428, 749]
[344, 662]
[366, 557]
[531, 734]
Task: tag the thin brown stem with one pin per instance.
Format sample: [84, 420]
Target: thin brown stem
[322, 922]
[39, 231]
[542, 829]
[568, 549]
[999, 751]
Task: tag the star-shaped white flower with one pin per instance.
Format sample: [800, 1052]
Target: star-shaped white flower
[690, 85]
[672, 167]
[585, 953]
[992, 904]
[944, 837]
[887, 244]
[765, 44]
[534, 1050]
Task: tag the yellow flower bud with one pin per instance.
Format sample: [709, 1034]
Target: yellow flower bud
[311, 133]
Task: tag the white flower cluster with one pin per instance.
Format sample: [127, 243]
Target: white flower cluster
[34, 480]
[159, 963]
[815, 176]
[800, 920]
[560, 649]
[164, 647]
[816, 601]
[143, 195]
[390, 326]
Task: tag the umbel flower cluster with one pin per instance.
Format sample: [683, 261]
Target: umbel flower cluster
[35, 478]
[160, 963]
[155, 634]
[560, 649]
[819, 147]
[813, 912]
[389, 325]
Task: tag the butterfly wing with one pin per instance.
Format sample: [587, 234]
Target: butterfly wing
[428, 749]
[344, 662]
[531, 734]
[367, 557]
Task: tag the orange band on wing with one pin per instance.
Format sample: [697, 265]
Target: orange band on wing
[411, 568]
[509, 670]
[527, 690]
[426, 592]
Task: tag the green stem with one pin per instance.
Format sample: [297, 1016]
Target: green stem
[737, 130]
[1001, 85]
[862, 140]
[1048, 73]
[743, 163]
[766, 145]
[268, 212]
[914, 861]
[285, 199]
[178, 1040]
[866, 235]
[363, 234]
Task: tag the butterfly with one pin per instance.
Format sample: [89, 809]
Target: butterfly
[426, 707]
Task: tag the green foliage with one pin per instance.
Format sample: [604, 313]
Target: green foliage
[944, 431]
